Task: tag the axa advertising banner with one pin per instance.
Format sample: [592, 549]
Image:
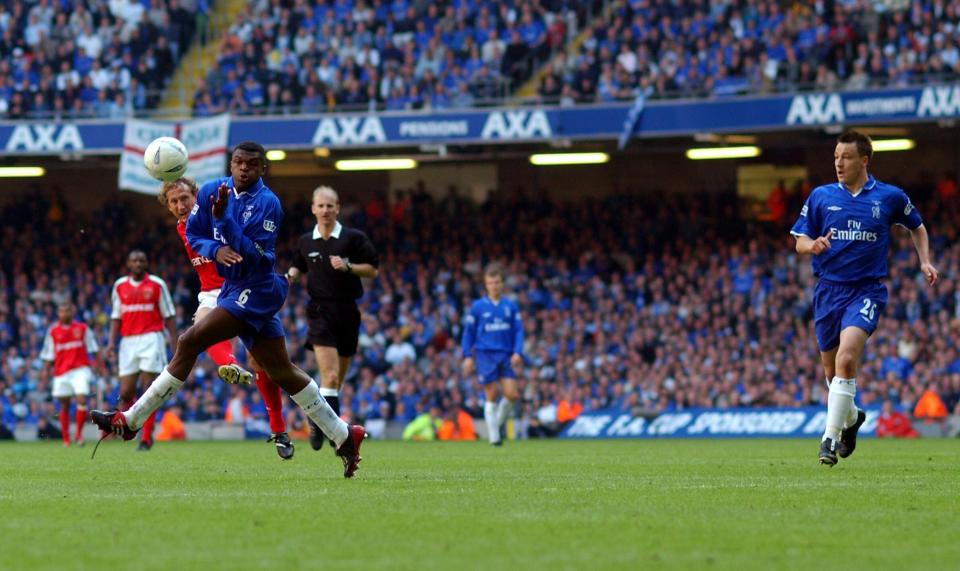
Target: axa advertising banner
[710, 423]
[497, 126]
[205, 139]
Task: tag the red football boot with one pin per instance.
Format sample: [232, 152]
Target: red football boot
[112, 422]
[349, 451]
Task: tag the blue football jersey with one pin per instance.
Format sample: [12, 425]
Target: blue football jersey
[858, 227]
[249, 226]
[492, 326]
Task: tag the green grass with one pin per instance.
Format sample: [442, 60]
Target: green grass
[677, 504]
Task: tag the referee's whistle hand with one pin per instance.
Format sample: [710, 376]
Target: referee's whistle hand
[338, 263]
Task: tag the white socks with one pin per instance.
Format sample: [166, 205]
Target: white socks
[316, 407]
[840, 407]
[162, 388]
[490, 416]
[325, 392]
[504, 408]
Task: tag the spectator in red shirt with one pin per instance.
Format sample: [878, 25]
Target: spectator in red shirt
[894, 424]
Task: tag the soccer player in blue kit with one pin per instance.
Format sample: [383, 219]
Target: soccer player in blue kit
[493, 329]
[846, 228]
[235, 222]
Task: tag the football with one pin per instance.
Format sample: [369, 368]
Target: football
[165, 159]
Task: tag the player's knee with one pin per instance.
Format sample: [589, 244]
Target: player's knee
[846, 364]
[189, 342]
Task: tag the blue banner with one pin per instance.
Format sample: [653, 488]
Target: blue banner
[711, 423]
[524, 124]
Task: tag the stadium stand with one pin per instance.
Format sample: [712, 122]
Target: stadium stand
[382, 55]
[666, 304]
[87, 59]
[714, 49]
[114, 59]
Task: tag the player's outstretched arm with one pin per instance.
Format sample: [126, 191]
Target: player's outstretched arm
[921, 241]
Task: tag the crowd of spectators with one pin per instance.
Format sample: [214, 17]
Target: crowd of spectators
[632, 303]
[695, 48]
[112, 58]
[89, 58]
[312, 55]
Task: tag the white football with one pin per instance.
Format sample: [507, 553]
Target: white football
[166, 159]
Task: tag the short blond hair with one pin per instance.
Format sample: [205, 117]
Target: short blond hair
[182, 181]
[324, 188]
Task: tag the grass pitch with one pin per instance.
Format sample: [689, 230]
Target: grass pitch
[664, 504]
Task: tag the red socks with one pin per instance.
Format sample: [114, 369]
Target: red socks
[221, 353]
[65, 424]
[81, 418]
[148, 427]
[273, 400]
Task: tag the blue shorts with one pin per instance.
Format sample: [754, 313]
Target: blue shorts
[255, 304]
[493, 366]
[838, 306]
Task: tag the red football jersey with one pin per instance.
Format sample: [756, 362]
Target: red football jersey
[68, 346]
[141, 306]
[206, 268]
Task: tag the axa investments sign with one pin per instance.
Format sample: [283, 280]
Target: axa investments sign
[499, 125]
[831, 108]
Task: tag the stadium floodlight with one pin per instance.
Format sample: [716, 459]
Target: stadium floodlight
[708, 153]
[22, 172]
[276, 155]
[375, 164]
[558, 159]
[883, 145]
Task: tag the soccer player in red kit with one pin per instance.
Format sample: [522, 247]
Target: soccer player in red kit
[179, 197]
[142, 307]
[67, 348]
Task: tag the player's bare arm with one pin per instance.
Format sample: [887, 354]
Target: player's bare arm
[807, 245]
[111, 349]
[516, 361]
[468, 365]
[171, 331]
[921, 241]
[361, 270]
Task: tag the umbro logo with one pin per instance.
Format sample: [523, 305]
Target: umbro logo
[834, 208]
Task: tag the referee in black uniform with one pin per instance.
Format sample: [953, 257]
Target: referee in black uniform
[334, 259]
